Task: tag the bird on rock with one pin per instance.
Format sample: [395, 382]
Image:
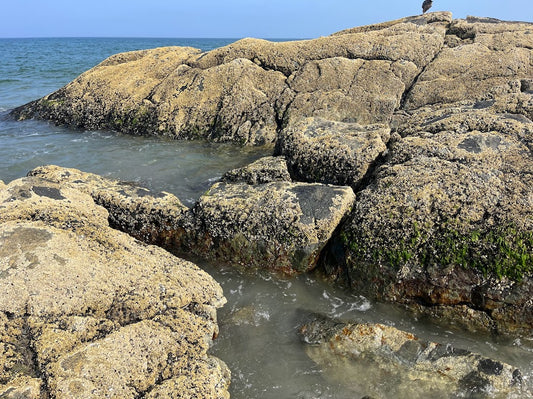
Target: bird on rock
[426, 5]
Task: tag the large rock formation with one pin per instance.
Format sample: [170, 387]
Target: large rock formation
[403, 365]
[87, 311]
[428, 119]
[247, 91]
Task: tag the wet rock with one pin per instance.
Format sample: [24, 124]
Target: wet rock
[429, 119]
[279, 226]
[88, 311]
[324, 151]
[448, 218]
[264, 170]
[383, 361]
[148, 216]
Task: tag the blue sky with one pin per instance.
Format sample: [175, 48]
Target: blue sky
[226, 18]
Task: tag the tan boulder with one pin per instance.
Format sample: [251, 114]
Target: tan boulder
[483, 60]
[280, 226]
[136, 210]
[447, 219]
[88, 311]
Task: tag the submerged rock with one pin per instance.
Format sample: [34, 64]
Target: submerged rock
[88, 311]
[382, 361]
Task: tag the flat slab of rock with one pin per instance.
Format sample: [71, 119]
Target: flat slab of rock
[279, 226]
[88, 311]
[264, 170]
[382, 361]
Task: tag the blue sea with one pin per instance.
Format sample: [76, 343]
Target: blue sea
[258, 335]
[32, 68]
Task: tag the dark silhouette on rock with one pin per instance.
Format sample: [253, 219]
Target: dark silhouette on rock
[426, 5]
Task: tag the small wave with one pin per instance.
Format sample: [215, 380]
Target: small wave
[7, 81]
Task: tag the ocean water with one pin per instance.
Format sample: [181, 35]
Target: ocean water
[258, 326]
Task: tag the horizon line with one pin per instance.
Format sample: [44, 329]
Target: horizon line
[153, 37]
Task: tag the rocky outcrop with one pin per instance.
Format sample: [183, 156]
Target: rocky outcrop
[402, 365]
[148, 216]
[247, 91]
[279, 225]
[484, 59]
[427, 119]
[88, 311]
[448, 220]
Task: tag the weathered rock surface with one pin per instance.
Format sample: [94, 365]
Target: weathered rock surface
[247, 91]
[484, 59]
[87, 311]
[382, 361]
[429, 119]
[448, 220]
[148, 216]
[278, 225]
[264, 170]
[324, 151]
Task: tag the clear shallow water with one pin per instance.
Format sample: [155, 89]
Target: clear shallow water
[258, 326]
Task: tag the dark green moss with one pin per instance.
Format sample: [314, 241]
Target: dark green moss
[503, 251]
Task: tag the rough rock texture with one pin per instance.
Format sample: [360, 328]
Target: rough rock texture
[382, 361]
[483, 59]
[87, 311]
[448, 220]
[148, 216]
[319, 150]
[428, 119]
[279, 225]
[247, 91]
[264, 170]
